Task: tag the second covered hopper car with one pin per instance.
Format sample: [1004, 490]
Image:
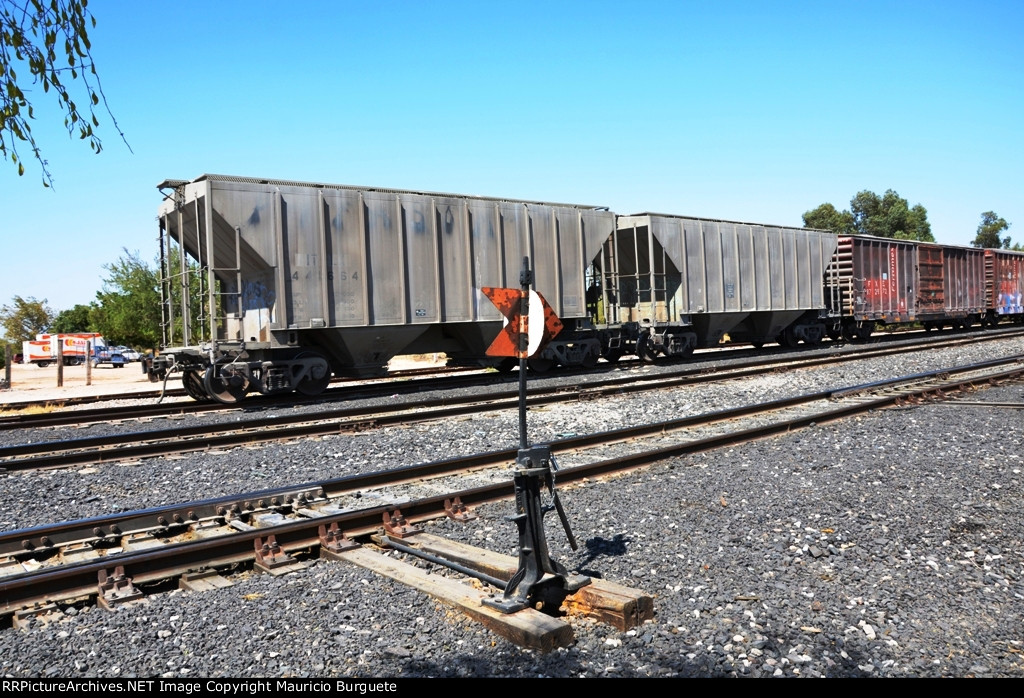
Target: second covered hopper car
[670, 284]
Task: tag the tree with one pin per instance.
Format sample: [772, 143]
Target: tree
[889, 216]
[826, 217]
[988, 232]
[74, 320]
[48, 42]
[24, 319]
[128, 307]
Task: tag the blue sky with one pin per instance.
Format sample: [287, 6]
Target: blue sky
[753, 111]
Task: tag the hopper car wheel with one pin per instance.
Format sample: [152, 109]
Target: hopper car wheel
[590, 361]
[612, 355]
[192, 381]
[227, 388]
[540, 365]
[645, 351]
[757, 345]
[864, 332]
[313, 384]
[788, 339]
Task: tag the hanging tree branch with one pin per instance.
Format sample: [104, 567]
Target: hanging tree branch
[49, 39]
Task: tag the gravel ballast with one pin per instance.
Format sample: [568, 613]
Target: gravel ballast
[884, 545]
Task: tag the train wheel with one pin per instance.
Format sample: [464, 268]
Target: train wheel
[192, 382]
[864, 331]
[590, 361]
[788, 339]
[226, 387]
[318, 378]
[645, 350]
[612, 355]
[540, 365]
[507, 365]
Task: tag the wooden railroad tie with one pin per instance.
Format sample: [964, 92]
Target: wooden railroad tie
[607, 602]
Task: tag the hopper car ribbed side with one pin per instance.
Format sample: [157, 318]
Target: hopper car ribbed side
[297, 280]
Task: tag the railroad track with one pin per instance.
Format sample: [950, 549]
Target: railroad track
[68, 452]
[112, 558]
[201, 437]
[24, 409]
[422, 380]
[116, 447]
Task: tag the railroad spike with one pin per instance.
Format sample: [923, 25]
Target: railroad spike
[270, 555]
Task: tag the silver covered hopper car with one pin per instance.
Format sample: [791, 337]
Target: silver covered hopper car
[665, 285]
[283, 284]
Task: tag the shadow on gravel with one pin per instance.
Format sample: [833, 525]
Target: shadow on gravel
[602, 547]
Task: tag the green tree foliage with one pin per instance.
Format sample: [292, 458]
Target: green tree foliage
[46, 43]
[127, 310]
[74, 320]
[989, 232]
[889, 216]
[826, 217]
[24, 318]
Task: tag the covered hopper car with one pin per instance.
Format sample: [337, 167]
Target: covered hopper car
[290, 283]
[299, 280]
[667, 285]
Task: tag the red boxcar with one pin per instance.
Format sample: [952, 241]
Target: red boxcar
[882, 280]
[1004, 285]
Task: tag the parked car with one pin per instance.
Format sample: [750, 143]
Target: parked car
[130, 354]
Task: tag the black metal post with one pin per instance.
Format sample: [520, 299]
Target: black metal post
[539, 580]
[525, 281]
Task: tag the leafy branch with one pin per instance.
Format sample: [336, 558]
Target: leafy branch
[49, 39]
